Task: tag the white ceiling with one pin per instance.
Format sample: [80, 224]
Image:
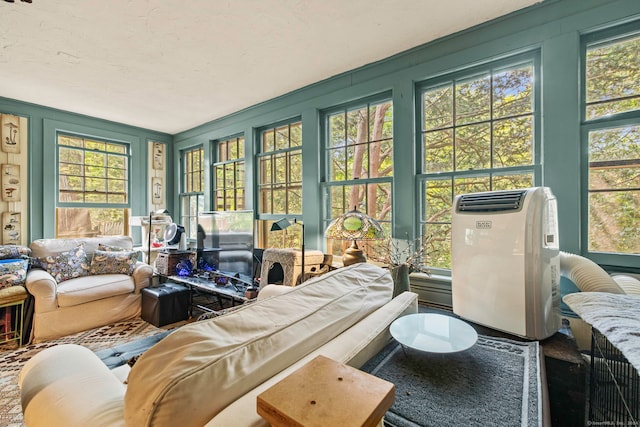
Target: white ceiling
[172, 65]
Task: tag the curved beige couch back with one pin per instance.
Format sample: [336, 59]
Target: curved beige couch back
[195, 372]
[47, 247]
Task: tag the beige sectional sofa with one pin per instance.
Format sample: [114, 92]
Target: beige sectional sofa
[210, 372]
[89, 301]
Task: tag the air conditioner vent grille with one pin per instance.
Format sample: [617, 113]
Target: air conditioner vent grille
[491, 201]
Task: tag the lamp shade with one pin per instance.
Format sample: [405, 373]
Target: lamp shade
[354, 225]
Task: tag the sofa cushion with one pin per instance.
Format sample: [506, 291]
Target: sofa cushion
[217, 360]
[13, 272]
[113, 262]
[91, 288]
[65, 265]
[47, 247]
[14, 251]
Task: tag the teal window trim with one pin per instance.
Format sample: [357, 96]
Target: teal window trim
[215, 156]
[325, 173]
[490, 66]
[126, 156]
[189, 219]
[260, 154]
[595, 39]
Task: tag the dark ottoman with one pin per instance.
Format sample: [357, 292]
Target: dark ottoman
[165, 304]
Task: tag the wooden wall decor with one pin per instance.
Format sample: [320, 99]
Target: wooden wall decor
[158, 156]
[10, 133]
[14, 176]
[157, 175]
[157, 190]
[11, 228]
[11, 186]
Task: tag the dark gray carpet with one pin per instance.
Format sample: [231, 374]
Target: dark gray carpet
[494, 383]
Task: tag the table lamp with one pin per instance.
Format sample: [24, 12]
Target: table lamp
[283, 224]
[354, 225]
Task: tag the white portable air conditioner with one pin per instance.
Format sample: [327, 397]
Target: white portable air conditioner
[505, 268]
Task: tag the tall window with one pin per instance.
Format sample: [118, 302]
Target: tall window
[478, 134]
[612, 131]
[192, 189]
[280, 183]
[359, 158]
[229, 175]
[93, 187]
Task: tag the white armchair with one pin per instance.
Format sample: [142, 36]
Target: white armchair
[77, 304]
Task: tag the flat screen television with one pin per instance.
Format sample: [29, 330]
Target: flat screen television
[225, 241]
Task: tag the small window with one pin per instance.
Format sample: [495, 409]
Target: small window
[612, 140]
[477, 134]
[279, 183]
[229, 175]
[192, 194]
[359, 157]
[93, 187]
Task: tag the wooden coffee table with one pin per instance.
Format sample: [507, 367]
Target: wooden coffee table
[326, 393]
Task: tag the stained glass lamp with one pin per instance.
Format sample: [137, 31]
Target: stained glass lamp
[354, 226]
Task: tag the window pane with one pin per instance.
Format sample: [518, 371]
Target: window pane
[614, 190]
[222, 151]
[265, 170]
[279, 201]
[280, 170]
[295, 166]
[473, 98]
[614, 222]
[268, 143]
[91, 222]
[439, 253]
[337, 162]
[471, 184]
[438, 107]
[438, 200]
[513, 142]
[612, 75]
[513, 92]
[473, 147]
[512, 181]
[337, 130]
[265, 200]
[296, 134]
[94, 145]
[357, 126]
[438, 151]
[282, 138]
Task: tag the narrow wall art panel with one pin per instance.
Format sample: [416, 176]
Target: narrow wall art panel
[157, 191]
[158, 156]
[10, 133]
[11, 185]
[11, 226]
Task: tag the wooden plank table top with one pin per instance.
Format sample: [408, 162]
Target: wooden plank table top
[326, 393]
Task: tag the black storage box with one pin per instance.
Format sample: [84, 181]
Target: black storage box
[165, 304]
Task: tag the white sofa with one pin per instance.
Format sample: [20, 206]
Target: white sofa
[210, 372]
[85, 302]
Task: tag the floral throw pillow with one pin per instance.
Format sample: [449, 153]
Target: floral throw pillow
[113, 262]
[13, 272]
[14, 251]
[65, 265]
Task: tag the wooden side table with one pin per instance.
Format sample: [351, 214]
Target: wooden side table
[326, 393]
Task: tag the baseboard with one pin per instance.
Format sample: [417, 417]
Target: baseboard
[432, 290]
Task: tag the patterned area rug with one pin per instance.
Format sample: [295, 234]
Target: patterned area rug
[12, 360]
